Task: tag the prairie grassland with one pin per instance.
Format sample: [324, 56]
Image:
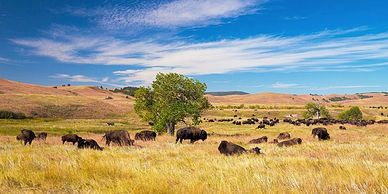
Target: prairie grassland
[353, 161]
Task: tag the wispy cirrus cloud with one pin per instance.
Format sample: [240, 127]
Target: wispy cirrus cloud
[173, 14]
[295, 18]
[85, 79]
[279, 85]
[340, 50]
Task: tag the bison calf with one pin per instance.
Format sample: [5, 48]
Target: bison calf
[259, 140]
[88, 143]
[73, 138]
[229, 149]
[290, 142]
[191, 133]
[145, 136]
[42, 136]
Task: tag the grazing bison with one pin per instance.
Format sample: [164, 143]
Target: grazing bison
[120, 137]
[192, 133]
[284, 135]
[259, 140]
[323, 135]
[229, 148]
[110, 123]
[26, 135]
[261, 126]
[342, 127]
[73, 138]
[290, 142]
[317, 130]
[145, 135]
[88, 143]
[42, 136]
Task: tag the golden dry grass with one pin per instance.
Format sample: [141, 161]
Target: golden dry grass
[354, 161]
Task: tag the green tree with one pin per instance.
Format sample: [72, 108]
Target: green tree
[353, 114]
[315, 110]
[170, 99]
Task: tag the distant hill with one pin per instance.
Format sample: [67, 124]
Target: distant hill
[226, 93]
[130, 91]
[62, 102]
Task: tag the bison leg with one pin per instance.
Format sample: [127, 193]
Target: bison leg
[177, 139]
[73, 142]
[192, 141]
[25, 142]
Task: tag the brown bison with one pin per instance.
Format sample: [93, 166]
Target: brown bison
[342, 127]
[42, 136]
[73, 138]
[88, 143]
[321, 133]
[27, 136]
[284, 135]
[259, 140]
[110, 123]
[229, 149]
[120, 137]
[145, 136]
[191, 133]
[290, 142]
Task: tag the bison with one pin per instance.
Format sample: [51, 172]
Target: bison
[145, 136]
[342, 127]
[27, 136]
[110, 123]
[290, 142]
[73, 138]
[229, 148]
[261, 126]
[321, 133]
[42, 136]
[120, 137]
[284, 135]
[259, 140]
[88, 143]
[191, 133]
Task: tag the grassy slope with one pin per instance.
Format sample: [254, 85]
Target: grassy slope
[354, 161]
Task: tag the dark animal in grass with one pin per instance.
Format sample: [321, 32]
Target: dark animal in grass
[27, 136]
[88, 143]
[229, 149]
[110, 123]
[342, 127]
[259, 140]
[145, 136]
[192, 133]
[317, 130]
[284, 135]
[261, 126]
[73, 138]
[323, 135]
[120, 137]
[42, 136]
[291, 142]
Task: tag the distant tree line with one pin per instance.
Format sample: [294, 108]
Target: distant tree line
[4, 114]
[130, 91]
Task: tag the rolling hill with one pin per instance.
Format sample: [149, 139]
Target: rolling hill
[64, 102]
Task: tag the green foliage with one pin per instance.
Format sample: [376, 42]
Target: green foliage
[316, 110]
[130, 91]
[337, 98]
[170, 99]
[11, 115]
[353, 114]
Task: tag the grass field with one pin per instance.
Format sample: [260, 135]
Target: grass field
[353, 161]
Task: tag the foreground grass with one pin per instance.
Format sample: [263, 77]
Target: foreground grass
[354, 161]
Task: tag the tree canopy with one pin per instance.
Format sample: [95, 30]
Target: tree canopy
[170, 99]
[353, 114]
[316, 110]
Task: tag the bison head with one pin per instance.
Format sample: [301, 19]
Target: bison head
[203, 135]
[256, 150]
[299, 140]
[137, 136]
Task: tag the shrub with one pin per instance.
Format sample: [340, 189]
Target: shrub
[11, 115]
[353, 114]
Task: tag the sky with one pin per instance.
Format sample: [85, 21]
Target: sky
[283, 46]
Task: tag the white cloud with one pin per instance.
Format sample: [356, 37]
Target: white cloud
[178, 13]
[279, 85]
[295, 18]
[347, 87]
[325, 51]
[86, 79]
[3, 60]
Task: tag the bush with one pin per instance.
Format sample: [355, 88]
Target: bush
[11, 115]
[353, 114]
[314, 110]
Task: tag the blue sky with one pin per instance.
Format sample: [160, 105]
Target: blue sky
[286, 46]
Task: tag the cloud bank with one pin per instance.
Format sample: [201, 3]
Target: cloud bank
[325, 51]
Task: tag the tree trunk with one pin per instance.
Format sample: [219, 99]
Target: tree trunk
[170, 128]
